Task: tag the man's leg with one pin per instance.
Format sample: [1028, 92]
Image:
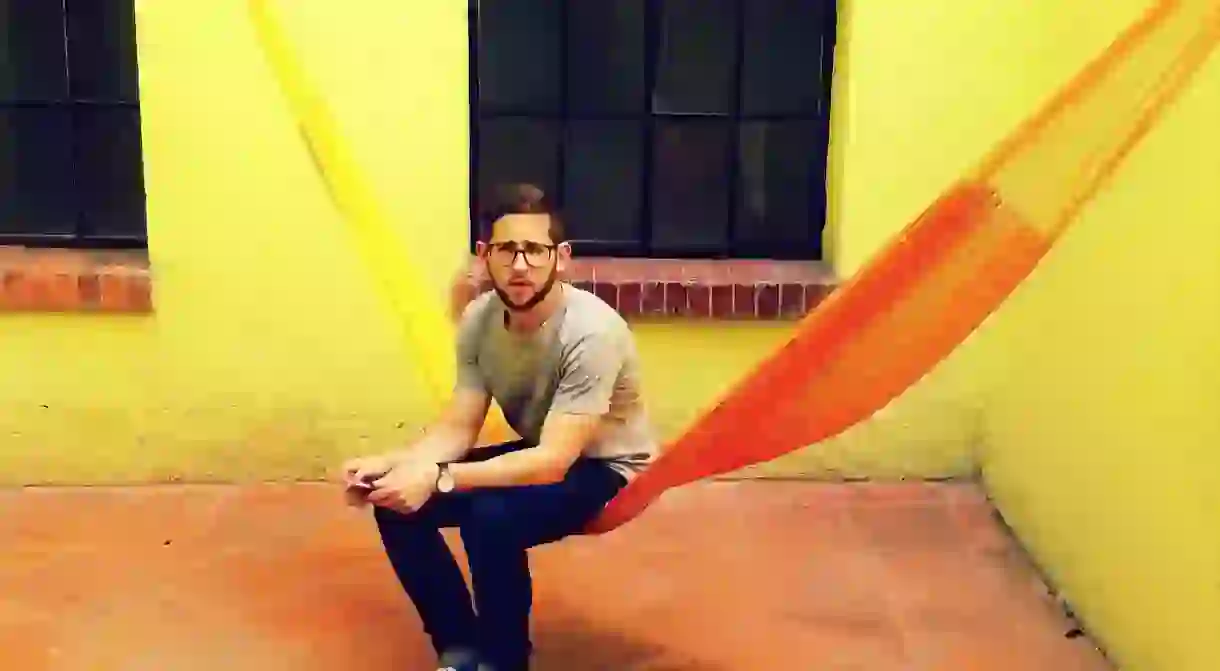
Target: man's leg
[427, 569]
[501, 526]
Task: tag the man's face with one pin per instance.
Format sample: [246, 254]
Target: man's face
[522, 260]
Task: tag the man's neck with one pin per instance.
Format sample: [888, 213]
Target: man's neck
[535, 317]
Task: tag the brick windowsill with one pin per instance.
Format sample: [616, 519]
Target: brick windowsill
[60, 280]
[692, 289]
[69, 280]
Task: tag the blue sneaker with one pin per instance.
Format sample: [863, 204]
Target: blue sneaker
[463, 659]
[459, 660]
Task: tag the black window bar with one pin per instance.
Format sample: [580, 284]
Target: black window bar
[71, 171]
[665, 128]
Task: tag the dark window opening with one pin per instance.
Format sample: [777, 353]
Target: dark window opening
[664, 128]
[71, 169]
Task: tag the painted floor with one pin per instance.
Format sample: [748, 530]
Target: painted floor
[719, 576]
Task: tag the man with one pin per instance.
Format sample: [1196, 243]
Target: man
[562, 365]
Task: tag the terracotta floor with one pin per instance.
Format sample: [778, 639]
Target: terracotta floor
[718, 576]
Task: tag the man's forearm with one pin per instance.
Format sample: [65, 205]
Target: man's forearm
[530, 466]
[440, 444]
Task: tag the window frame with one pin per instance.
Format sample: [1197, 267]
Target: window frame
[82, 236]
[737, 120]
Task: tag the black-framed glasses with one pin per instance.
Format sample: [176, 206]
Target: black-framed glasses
[536, 254]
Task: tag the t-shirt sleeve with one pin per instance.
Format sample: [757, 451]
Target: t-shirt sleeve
[589, 374]
[469, 337]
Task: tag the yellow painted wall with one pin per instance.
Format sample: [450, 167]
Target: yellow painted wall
[1102, 442]
[271, 355]
[922, 91]
[1098, 383]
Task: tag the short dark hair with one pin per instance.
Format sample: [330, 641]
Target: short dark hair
[519, 198]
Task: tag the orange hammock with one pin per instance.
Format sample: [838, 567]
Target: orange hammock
[914, 303]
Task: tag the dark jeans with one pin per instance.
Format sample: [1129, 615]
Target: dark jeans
[497, 526]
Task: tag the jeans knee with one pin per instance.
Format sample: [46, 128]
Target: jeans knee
[490, 521]
[391, 523]
[384, 516]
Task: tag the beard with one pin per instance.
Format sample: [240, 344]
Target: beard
[539, 295]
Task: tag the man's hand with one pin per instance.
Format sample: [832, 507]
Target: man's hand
[363, 470]
[406, 488]
[358, 475]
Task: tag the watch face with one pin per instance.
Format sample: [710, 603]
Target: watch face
[444, 481]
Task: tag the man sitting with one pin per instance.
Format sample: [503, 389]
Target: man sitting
[562, 365]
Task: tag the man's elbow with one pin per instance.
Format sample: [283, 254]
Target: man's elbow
[553, 468]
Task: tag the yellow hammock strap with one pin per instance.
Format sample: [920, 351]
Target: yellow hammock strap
[428, 329]
[429, 332]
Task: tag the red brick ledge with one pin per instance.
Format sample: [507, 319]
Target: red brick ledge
[69, 280]
[691, 289]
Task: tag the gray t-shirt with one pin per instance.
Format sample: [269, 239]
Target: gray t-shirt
[582, 361]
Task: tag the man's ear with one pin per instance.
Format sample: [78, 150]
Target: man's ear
[480, 249]
[564, 252]
[461, 291]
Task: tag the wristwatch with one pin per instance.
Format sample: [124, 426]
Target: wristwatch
[444, 479]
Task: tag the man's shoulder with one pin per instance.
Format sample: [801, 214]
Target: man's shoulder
[589, 315]
[587, 307]
[474, 315]
[479, 304]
